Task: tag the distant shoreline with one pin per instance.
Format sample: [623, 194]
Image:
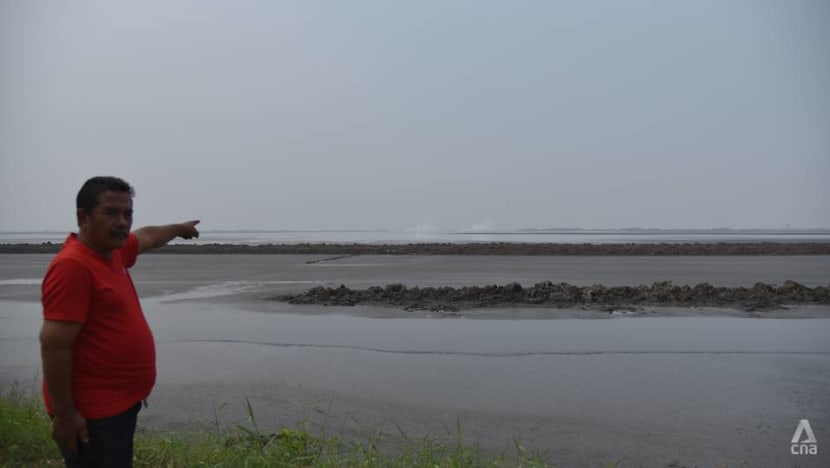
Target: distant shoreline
[476, 248]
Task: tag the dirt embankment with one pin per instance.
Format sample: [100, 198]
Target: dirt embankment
[492, 248]
[563, 295]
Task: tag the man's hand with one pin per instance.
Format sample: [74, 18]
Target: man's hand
[188, 229]
[151, 237]
[67, 429]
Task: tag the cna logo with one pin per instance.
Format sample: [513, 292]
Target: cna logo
[809, 446]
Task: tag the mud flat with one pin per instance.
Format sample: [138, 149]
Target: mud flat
[695, 386]
[655, 391]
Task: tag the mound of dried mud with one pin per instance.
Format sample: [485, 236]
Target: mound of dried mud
[563, 295]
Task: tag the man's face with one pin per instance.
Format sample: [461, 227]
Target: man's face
[108, 226]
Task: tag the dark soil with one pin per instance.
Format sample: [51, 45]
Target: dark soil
[563, 295]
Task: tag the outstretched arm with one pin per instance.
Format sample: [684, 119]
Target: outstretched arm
[150, 237]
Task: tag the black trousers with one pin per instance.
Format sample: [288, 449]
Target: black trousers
[110, 442]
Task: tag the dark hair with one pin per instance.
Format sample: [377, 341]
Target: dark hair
[92, 189]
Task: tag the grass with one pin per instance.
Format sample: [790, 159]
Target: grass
[25, 441]
[24, 432]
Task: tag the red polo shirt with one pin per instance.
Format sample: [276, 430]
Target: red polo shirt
[114, 355]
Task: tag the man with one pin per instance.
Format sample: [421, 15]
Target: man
[99, 358]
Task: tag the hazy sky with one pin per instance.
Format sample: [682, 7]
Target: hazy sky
[431, 114]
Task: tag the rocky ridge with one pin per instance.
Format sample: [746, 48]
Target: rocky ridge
[760, 297]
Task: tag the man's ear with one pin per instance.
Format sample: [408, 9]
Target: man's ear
[82, 216]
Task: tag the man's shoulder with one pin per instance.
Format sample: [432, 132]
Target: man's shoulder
[70, 251]
[71, 255]
[67, 262]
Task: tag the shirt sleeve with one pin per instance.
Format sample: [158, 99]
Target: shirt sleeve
[129, 252]
[66, 291]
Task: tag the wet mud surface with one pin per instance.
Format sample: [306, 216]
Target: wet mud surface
[685, 387]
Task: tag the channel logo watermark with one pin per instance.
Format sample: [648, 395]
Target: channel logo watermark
[808, 446]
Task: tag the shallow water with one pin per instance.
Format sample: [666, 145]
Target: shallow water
[588, 390]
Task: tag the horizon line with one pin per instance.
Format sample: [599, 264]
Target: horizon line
[528, 230]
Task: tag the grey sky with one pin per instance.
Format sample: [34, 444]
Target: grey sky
[448, 114]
